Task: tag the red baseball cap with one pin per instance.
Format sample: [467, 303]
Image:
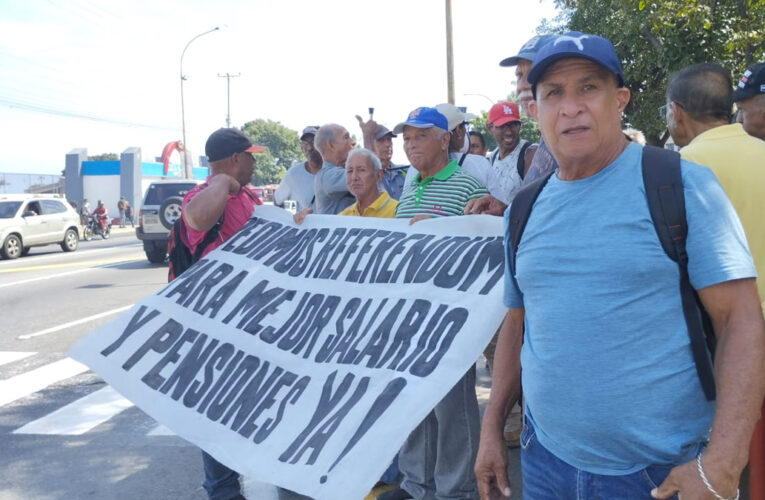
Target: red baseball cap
[504, 112]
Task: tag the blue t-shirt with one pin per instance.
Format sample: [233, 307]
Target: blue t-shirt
[608, 377]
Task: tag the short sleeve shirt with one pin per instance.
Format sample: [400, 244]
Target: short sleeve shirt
[443, 194]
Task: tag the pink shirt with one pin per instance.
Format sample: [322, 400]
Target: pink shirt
[239, 207]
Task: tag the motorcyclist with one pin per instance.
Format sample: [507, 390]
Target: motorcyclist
[101, 215]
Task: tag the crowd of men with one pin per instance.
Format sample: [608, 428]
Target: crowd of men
[597, 332]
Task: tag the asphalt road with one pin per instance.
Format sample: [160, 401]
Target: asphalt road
[64, 434]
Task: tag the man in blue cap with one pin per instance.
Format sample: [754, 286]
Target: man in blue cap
[614, 408]
[437, 458]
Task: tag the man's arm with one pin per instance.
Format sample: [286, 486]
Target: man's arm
[205, 208]
[333, 182]
[491, 462]
[737, 317]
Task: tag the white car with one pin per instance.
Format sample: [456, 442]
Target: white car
[28, 220]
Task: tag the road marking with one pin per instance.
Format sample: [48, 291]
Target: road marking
[74, 323]
[32, 381]
[160, 430]
[80, 416]
[68, 264]
[9, 357]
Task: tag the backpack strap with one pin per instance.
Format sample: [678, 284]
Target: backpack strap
[494, 156]
[520, 209]
[662, 179]
[462, 159]
[522, 159]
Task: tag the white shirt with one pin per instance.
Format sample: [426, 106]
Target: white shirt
[297, 184]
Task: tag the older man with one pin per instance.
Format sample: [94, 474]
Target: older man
[333, 143]
[363, 174]
[437, 457]
[613, 403]
[297, 183]
[750, 99]
[698, 113]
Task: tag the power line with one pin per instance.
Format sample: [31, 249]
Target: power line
[12, 103]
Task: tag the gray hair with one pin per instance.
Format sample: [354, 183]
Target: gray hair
[370, 156]
[326, 134]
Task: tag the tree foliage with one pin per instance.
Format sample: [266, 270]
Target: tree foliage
[656, 38]
[104, 157]
[283, 149]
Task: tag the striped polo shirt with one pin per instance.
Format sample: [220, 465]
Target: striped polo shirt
[445, 193]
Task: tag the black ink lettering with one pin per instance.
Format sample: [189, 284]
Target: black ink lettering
[152, 378]
[135, 323]
[159, 342]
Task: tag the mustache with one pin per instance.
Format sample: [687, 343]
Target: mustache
[524, 94]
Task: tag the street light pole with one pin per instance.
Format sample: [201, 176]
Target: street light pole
[187, 173]
[449, 57]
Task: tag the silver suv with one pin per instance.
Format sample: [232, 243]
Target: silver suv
[161, 207]
[28, 220]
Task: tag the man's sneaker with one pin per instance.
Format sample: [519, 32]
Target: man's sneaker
[396, 494]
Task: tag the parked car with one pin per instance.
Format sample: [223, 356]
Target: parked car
[28, 220]
[160, 208]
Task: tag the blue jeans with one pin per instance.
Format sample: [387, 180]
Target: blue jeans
[437, 458]
[545, 476]
[221, 483]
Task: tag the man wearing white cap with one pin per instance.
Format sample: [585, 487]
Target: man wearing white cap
[616, 405]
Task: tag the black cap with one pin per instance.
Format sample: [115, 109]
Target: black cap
[752, 83]
[382, 131]
[224, 142]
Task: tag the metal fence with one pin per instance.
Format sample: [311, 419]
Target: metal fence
[15, 183]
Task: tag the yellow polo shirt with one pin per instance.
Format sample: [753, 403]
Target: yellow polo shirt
[383, 206]
[738, 161]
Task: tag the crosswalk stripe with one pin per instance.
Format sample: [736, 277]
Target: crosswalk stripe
[80, 416]
[11, 356]
[160, 430]
[32, 381]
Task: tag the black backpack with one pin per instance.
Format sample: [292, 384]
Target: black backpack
[664, 192]
[179, 258]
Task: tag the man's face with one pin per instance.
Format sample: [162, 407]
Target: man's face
[458, 137]
[361, 177]
[507, 135]
[522, 85]
[384, 149]
[310, 152]
[243, 167]
[341, 146]
[424, 148]
[677, 130]
[476, 147]
[578, 108]
[751, 114]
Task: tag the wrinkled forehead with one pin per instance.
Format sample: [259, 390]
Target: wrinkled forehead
[575, 69]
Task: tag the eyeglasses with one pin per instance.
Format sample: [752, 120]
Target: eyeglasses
[663, 112]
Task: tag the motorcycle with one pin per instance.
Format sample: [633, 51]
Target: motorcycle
[93, 228]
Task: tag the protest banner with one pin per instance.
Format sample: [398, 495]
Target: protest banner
[304, 355]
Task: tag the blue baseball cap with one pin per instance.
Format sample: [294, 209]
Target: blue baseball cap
[423, 118]
[529, 50]
[575, 44]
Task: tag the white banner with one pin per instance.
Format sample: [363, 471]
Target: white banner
[304, 355]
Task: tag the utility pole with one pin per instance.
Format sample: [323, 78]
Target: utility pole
[449, 58]
[228, 78]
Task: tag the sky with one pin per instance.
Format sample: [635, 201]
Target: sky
[105, 74]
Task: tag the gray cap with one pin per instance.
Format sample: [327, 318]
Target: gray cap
[529, 50]
[309, 131]
[382, 131]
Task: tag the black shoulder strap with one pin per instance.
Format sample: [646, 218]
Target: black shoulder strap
[464, 155]
[520, 209]
[494, 156]
[663, 184]
[209, 238]
[522, 159]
